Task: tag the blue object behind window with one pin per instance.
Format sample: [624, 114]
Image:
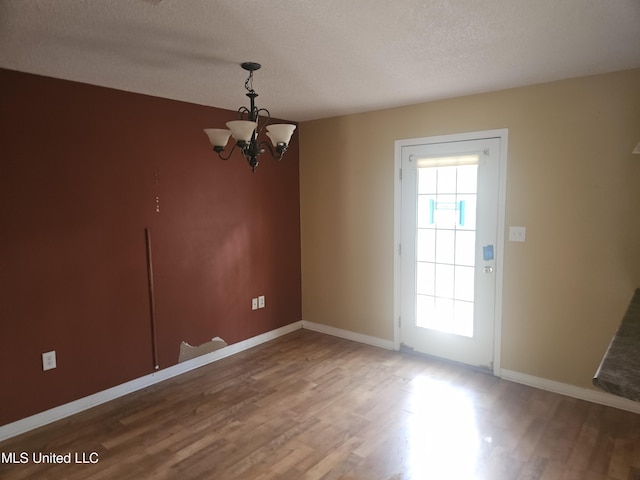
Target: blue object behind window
[447, 206]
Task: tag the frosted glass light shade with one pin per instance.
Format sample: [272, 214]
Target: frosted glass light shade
[242, 130]
[218, 136]
[280, 133]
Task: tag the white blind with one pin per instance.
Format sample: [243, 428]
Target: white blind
[428, 162]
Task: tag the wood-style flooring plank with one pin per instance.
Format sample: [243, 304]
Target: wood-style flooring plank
[315, 407]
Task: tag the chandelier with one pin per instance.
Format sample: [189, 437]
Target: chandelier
[248, 128]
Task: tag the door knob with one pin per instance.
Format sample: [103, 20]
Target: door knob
[488, 269]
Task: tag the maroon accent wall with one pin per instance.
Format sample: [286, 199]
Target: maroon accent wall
[80, 171]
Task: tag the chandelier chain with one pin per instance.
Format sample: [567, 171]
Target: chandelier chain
[248, 85]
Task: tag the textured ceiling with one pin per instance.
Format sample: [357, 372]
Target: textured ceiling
[320, 57]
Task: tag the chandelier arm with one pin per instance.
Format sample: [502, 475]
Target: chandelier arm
[278, 153]
[266, 117]
[220, 151]
[244, 111]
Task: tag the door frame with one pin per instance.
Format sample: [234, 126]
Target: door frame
[503, 135]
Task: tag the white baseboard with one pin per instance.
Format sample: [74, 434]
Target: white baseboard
[76, 406]
[580, 393]
[71, 408]
[348, 335]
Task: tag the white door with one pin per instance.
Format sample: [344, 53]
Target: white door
[449, 228]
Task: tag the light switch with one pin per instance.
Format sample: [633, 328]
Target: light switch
[517, 234]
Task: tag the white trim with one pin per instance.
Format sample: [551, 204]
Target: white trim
[593, 396]
[503, 135]
[502, 208]
[76, 406]
[356, 337]
[397, 237]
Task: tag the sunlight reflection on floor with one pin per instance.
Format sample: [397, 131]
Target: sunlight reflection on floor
[443, 437]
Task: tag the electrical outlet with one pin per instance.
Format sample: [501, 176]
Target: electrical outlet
[49, 360]
[254, 304]
[261, 301]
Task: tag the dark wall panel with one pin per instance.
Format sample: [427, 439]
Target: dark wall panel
[84, 170]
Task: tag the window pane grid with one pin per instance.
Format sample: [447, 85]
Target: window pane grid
[445, 251]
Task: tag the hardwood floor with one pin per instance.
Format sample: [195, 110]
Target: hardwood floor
[312, 406]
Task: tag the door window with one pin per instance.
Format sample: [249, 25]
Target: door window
[445, 246]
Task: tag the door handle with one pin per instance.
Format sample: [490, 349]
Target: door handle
[488, 269]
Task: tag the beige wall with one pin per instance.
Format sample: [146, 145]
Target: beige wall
[572, 181]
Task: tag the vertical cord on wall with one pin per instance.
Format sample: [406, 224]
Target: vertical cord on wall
[152, 302]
